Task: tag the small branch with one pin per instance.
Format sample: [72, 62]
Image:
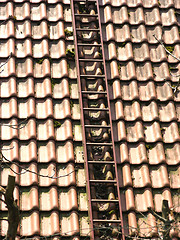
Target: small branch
[175, 89]
[13, 211]
[157, 215]
[160, 41]
[2, 190]
[6, 60]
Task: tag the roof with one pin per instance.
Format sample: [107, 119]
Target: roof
[40, 113]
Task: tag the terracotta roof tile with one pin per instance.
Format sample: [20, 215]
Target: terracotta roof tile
[159, 176]
[141, 176]
[136, 16]
[155, 153]
[149, 111]
[152, 16]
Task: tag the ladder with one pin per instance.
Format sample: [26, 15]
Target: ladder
[98, 140]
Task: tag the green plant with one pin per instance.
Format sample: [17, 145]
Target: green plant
[170, 48]
[121, 45]
[40, 60]
[82, 8]
[71, 104]
[119, 68]
[149, 147]
[100, 53]
[57, 124]
[70, 54]
[68, 33]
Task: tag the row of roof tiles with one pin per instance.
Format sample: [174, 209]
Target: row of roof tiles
[115, 3]
[136, 176]
[64, 152]
[51, 199]
[43, 130]
[118, 15]
[127, 91]
[136, 16]
[141, 176]
[46, 224]
[59, 69]
[42, 108]
[111, 32]
[56, 50]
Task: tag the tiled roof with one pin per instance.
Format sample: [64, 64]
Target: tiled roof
[40, 114]
[38, 91]
[144, 108]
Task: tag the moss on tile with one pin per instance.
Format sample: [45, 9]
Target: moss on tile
[149, 147]
[170, 48]
[57, 124]
[70, 54]
[40, 60]
[68, 33]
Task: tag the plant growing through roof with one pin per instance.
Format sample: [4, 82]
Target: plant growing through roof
[170, 48]
[57, 124]
[68, 33]
[70, 54]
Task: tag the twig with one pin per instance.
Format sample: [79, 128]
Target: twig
[27, 170]
[6, 60]
[160, 41]
[159, 217]
[175, 89]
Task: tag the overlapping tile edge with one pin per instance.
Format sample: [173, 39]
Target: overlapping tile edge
[144, 107]
[38, 93]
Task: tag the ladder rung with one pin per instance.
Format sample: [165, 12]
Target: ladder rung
[104, 200]
[93, 92]
[100, 162]
[93, 76]
[89, 45]
[106, 221]
[86, 29]
[85, 15]
[96, 109]
[99, 144]
[96, 126]
[90, 60]
[103, 181]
